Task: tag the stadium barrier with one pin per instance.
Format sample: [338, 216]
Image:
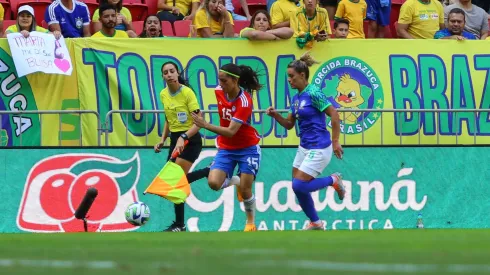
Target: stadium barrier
[386, 188]
[122, 74]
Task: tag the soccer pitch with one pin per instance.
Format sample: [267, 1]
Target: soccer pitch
[417, 251]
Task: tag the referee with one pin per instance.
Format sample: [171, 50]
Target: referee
[179, 101]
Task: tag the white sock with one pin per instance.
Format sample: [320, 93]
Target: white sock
[250, 205]
[235, 180]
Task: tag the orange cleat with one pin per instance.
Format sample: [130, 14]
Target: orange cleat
[249, 227]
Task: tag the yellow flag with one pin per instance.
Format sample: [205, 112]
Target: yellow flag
[170, 183]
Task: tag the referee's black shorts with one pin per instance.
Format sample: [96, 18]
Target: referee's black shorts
[191, 150]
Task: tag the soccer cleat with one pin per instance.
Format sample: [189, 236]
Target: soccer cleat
[338, 185]
[175, 228]
[314, 226]
[249, 227]
[235, 180]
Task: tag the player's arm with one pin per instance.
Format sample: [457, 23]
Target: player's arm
[335, 119]
[228, 132]
[287, 122]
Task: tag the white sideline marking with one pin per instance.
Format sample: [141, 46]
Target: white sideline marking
[374, 267]
[57, 263]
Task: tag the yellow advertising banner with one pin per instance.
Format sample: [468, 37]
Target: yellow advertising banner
[367, 79]
[36, 92]
[117, 74]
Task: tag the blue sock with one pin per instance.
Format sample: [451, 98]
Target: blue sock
[305, 199]
[317, 184]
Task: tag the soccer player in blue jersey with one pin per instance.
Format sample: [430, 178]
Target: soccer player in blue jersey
[309, 108]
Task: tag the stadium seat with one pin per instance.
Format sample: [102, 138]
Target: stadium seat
[8, 23]
[138, 9]
[255, 5]
[92, 6]
[138, 27]
[8, 11]
[240, 25]
[182, 28]
[39, 7]
[167, 29]
[489, 24]
[152, 6]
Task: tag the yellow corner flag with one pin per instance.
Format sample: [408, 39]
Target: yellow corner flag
[170, 183]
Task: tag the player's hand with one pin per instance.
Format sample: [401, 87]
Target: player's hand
[179, 146]
[157, 147]
[337, 150]
[271, 112]
[198, 120]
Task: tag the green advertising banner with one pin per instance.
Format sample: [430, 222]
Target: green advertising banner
[386, 188]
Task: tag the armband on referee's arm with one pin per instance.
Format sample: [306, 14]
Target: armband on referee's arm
[184, 136]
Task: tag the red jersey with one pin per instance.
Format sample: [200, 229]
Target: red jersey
[239, 110]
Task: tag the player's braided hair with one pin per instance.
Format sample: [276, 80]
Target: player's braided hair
[248, 79]
[302, 64]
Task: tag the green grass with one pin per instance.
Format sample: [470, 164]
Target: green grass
[294, 252]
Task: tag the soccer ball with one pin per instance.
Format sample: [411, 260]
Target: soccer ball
[137, 213]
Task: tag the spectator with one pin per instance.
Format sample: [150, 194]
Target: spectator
[281, 12]
[330, 6]
[26, 23]
[176, 10]
[456, 24]
[123, 16]
[70, 17]
[152, 27]
[341, 28]
[108, 19]
[378, 15]
[484, 4]
[354, 11]
[237, 17]
[260, 28]
[420, 19]
[310, 23]
[2, 14]
[476, 18]
[214, 20]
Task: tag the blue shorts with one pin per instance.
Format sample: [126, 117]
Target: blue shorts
[248, 160]
[375, 12]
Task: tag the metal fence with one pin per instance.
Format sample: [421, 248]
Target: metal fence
[383, 112]
[21, 114]
[103, 131]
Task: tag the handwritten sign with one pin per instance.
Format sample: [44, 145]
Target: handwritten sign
[39, 52]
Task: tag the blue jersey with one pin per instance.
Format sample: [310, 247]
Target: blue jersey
[308, 107]
[71, 21]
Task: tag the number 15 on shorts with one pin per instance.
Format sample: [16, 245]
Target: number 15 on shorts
[254, 162]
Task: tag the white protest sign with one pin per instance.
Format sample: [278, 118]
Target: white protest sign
[39, 52]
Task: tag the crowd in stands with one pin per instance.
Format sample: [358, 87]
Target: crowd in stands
[304, 20]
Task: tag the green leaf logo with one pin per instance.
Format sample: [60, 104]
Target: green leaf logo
[125, 173]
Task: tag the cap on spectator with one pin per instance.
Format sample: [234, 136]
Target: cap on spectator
[26, 8]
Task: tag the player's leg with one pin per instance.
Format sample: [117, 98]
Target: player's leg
[305, 182]
[383, 19]
[248, 167]
[221, 171]
[372, 19]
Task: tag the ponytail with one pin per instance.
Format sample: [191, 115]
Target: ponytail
[248, 79]
[302, 64]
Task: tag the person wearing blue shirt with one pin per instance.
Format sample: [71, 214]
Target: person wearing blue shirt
[71, 17]
[309, 108]
[456, 20]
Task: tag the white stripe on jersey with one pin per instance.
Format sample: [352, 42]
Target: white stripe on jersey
[244, 99]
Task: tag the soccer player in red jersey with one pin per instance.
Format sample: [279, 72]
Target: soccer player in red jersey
[238, 141]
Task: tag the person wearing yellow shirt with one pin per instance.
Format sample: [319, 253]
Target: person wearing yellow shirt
[420, 19]
[124, 18]
[260, 28]
[179, 102]
[2, 12]
[26, 23]
[213, 20]
[355, 12]
[310, 23]
[108, 18]
[175, 10]
[281, 11]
